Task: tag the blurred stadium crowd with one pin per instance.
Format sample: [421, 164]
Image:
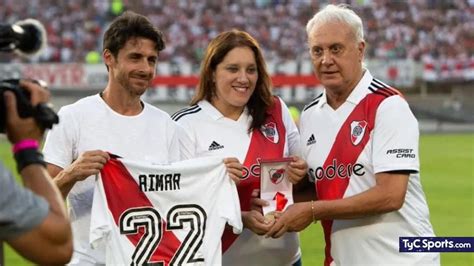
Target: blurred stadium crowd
[422, 30]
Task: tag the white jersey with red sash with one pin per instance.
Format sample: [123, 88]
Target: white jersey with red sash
[173, 214]
[213, 134]
[373, 131]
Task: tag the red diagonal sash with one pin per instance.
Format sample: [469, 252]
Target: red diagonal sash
[123, 193]
[260, 147]
[344, 152]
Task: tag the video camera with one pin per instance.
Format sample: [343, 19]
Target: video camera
[26, 38]
[42, 113]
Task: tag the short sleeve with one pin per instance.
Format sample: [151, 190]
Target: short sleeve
[187, 143]
[395, 137]
[230, 205]
[302, 143]
[59, 147]
[175, 152]
[20, 209]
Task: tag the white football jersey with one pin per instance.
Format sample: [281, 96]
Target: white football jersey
[374, 131]
[212, 134]
[90, 124]
[173, 214]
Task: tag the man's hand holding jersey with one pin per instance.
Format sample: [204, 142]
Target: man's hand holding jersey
[87, 164]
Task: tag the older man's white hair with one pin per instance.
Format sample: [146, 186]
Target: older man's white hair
[338, 13]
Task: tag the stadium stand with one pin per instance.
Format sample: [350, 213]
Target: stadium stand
[421, 44]
[415, 29]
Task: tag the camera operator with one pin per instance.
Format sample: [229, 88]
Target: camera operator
[33, 218]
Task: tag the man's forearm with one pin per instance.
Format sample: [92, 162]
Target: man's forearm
[386, 196]
[61, 178]
[63, 183]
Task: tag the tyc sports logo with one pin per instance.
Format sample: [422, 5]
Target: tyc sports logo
[357, 131]
[269, 130]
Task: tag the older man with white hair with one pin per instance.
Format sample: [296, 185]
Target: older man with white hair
[360, 140]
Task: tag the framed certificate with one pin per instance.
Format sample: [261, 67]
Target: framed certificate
[275, 186]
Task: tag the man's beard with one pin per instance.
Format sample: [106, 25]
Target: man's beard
[124, 81]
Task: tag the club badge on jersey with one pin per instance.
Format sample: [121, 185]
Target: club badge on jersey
[275, 186]
[357, 131]
[269, 130]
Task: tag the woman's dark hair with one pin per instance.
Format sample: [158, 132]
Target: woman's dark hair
[217, 49]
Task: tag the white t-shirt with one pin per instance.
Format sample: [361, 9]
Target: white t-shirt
[175, 213]
[213, 134]
[374, 131]
[90, 124]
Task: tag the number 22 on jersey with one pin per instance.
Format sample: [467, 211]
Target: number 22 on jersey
[147, 222]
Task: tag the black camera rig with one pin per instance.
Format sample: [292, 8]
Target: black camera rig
[42, 113]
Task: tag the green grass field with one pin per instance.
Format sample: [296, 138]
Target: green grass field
[447, 174]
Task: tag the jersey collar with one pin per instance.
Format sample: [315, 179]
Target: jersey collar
[357, 94]
[323, 100]
[215, 114]
[360, 91]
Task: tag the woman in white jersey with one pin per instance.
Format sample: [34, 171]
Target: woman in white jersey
[228, 117]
